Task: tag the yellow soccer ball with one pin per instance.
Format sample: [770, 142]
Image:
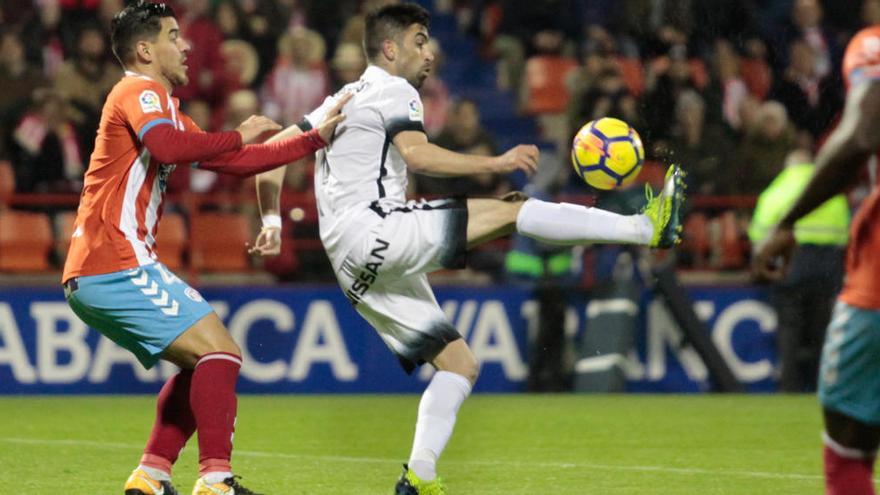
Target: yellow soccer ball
[607, 153]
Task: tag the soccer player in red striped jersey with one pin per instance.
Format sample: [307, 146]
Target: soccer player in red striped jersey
[112, 277]
[849, 388]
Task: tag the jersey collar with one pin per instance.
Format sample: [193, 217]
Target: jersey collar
[131, 73]
[375, 72]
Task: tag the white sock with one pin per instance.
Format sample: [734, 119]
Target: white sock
[215, 477]
[570, 224]
[156, 474]
[437, 411]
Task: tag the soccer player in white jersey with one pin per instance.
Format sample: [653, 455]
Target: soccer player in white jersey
[381, 246]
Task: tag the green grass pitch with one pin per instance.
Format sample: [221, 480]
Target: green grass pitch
[504, 444]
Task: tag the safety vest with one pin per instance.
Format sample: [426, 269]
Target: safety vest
[529, 265]
[826, 225]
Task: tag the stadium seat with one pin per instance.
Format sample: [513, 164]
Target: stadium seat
[696, 239]
[217, 242]
[633, 74]
[732, 252]
[653, 173]
[7, 183]
[25, 241]
[64, 222]
[171, 240]
[545, 80]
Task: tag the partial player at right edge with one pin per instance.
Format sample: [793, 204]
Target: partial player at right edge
[849, 388]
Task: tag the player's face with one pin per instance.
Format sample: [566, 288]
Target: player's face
[415, 57]
[171, 52]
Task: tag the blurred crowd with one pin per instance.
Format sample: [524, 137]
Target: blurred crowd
[727, 87]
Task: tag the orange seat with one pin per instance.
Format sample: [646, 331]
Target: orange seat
[545, 80]
[633, 74]
[7, 183]
[217, 242]
[653, 173]
[25, 241]
[732, 255]
[171, 240]
[64, 222]
[696, 238]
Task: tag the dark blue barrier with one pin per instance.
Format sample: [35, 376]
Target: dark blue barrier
[309, 339]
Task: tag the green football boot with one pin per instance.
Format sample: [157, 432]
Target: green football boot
[665, 210]
[410, 484]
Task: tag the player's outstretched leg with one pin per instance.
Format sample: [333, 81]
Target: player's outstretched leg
[410, 484]
[664, 210]
[659, 224]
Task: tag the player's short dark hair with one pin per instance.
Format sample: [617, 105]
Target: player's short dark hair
[390, 21]
[139, 20]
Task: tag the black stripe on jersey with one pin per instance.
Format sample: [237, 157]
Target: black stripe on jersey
[382, 170]
[397, 126]
[304, 125]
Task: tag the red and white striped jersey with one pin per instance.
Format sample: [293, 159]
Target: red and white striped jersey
[124, 187]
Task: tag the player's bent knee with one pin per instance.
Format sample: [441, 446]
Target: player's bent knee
[206, 336]
[458, 358]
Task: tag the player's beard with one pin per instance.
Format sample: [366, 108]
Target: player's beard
[419, 79]
[179, 77]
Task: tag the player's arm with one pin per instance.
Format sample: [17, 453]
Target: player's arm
[258, 158]
[168, 144]
[285, 147]
[268, 242]
[269, 182]
[851, 143]
[423, 157]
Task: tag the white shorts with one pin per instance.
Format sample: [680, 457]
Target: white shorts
[384, 275]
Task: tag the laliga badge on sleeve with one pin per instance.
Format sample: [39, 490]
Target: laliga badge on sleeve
[150, 102]
[415, 110]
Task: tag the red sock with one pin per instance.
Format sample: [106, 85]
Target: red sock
[174, 423]
[213, 401]
[848, 475]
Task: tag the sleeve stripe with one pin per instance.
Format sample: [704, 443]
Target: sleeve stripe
[395, 127]
[149, 125]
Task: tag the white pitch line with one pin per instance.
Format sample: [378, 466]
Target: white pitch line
[379, 460]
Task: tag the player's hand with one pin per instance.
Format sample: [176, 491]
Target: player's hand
[256, 127]
[773, 254]
[522, 157]
[268, 242]
[333, 117]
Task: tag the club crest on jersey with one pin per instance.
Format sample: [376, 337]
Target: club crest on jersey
[415, 110]
[150, 101]
[193, 294]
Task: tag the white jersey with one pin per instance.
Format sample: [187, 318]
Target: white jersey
[361, 174]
